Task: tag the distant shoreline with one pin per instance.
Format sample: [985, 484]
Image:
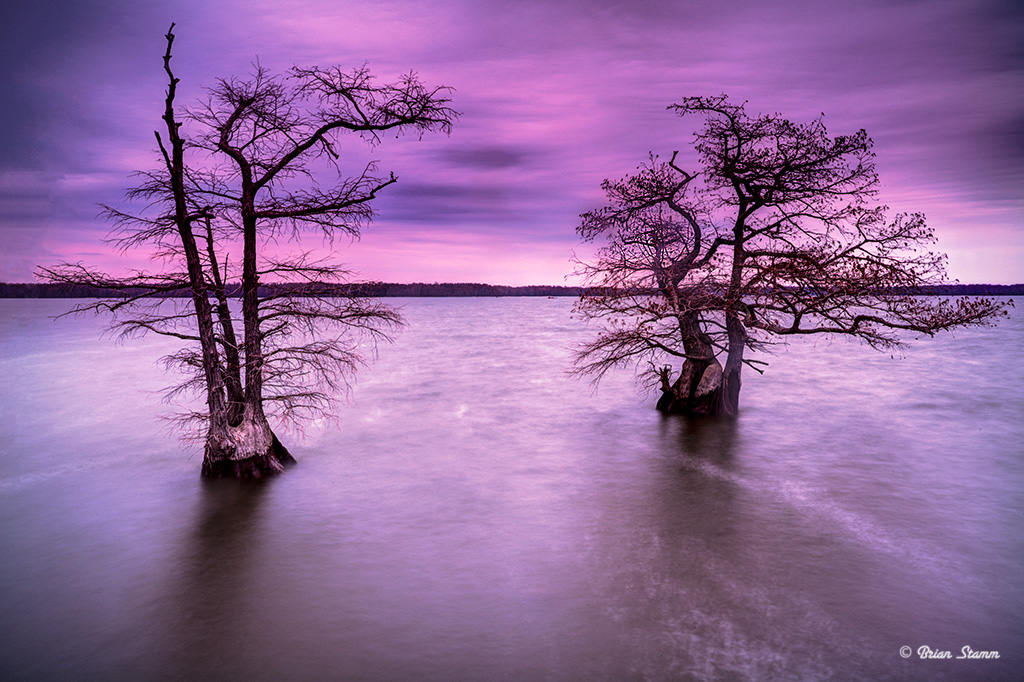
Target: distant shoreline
[374, 289]
[437, 290]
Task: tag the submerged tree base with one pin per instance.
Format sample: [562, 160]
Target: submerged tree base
[701, 389]
[219, 464]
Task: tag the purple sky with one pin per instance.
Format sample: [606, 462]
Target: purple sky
[556, 96]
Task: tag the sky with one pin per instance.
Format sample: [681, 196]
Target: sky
[555, 96]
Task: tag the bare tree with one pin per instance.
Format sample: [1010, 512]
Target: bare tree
[258, 151]
[773, 234]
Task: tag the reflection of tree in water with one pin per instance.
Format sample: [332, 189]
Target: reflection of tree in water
[703, 438]
[701, 588]
[215, 629]
[694, 492]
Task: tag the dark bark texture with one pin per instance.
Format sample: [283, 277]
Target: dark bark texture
[698, 390]
[230, 455]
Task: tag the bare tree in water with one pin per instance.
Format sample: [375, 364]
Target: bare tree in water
[772, 233]
[259, 147]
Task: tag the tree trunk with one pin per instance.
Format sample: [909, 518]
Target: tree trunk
[248, 450]
[731, 383]
[232, 362]
[702, 386]
[698, 390]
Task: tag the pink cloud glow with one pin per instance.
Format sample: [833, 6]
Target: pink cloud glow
[555, 97]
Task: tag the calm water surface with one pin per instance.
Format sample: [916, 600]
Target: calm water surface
[475, 514]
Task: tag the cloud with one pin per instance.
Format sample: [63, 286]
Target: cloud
[487, 158]
[25, 195]
[447, 204]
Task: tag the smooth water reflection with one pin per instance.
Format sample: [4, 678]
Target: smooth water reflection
[477, 515]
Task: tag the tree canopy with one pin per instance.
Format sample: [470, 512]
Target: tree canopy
[772, 231]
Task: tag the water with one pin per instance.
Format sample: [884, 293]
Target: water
[476, 514]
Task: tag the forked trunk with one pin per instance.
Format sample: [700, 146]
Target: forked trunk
[702, 387]
[244, 446]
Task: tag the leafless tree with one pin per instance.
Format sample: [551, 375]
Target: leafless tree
[773, 234]
[265, 166]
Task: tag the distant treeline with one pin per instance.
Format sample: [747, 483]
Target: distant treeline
[418, 289]
[376, 289]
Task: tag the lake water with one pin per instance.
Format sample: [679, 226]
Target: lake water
[476, 514]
